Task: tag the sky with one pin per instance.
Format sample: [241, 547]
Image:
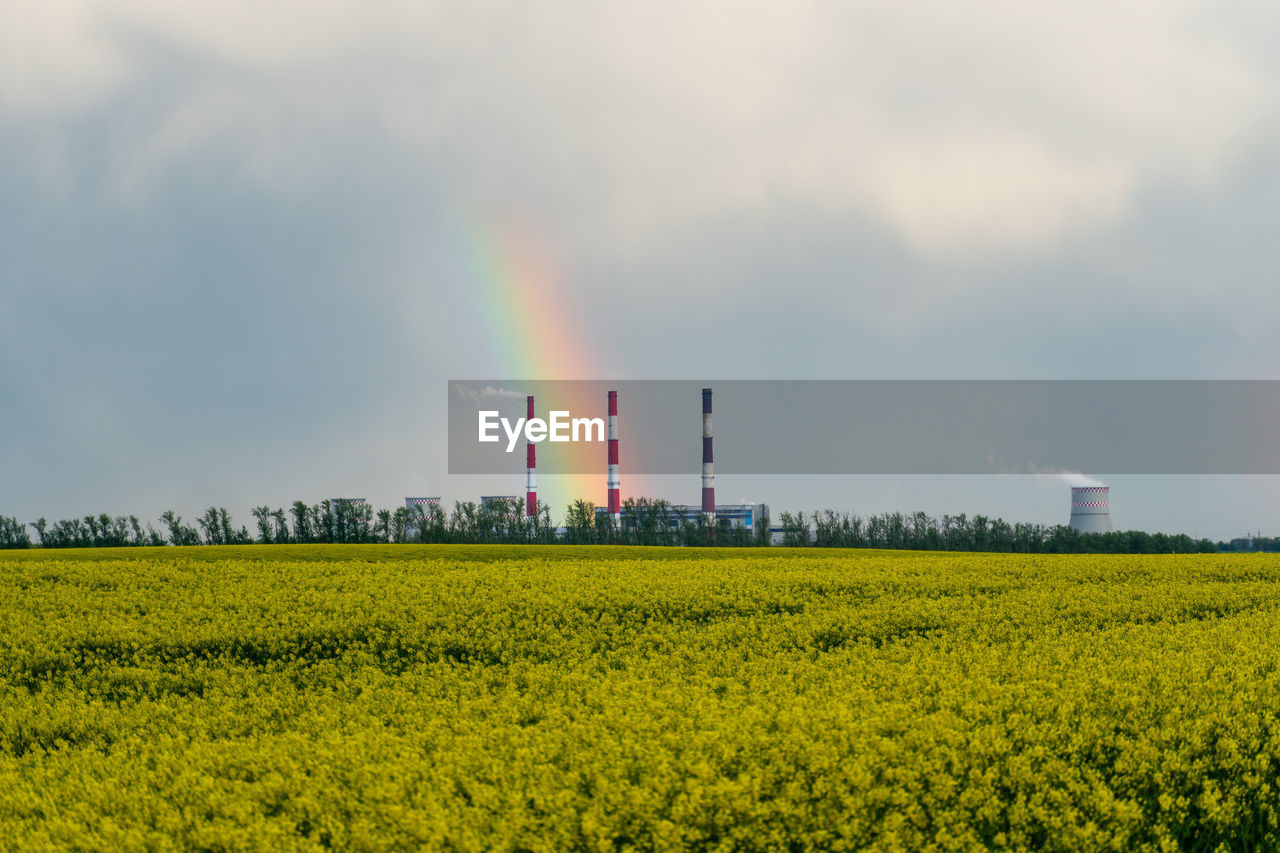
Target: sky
[246, 247]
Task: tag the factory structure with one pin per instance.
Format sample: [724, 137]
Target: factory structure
[748, 516]
[1091, 509]
[708, 460]
[531, 476]
[612, 484]
[343, 507]
[735, 515]
[1090, 504]
[419, 508]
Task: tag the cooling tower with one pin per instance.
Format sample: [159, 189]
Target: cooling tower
[1091, 509]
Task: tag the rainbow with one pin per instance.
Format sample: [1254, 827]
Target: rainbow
[527, 318]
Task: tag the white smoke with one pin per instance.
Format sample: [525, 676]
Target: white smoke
[1074, 479]
[479, 395]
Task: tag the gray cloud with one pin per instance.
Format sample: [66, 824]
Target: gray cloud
[961, 129]
[237, 265]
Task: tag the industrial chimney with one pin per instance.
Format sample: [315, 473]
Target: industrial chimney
[708, 460]
[531, 478]
[615, 504]
[1091, 509]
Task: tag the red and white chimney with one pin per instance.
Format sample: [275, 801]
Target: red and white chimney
[708, 460]
[531, 477]
[615, 503]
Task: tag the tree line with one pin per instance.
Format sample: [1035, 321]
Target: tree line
[921, 532]
[644, 521]
[1269, 544]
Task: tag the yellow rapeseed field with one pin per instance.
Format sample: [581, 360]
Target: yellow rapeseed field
[557, 698]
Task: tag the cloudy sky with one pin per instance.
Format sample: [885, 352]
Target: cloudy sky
[246, 245]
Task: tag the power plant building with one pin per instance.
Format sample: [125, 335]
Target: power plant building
[344, 505]
[738, 515]
[750, 516]
[419, 509]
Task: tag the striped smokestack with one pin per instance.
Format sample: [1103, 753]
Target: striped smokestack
[615, 503]
[708, 459]
[531, 477]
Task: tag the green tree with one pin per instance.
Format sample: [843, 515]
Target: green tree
[399, 524]
[302, 529]
[580, 523]
[382, 527]
[262, 515]
[280, 533]
[179, 533]
[13, 534]
[40, 525]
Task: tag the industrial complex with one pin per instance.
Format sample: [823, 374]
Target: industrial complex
[1090, 504]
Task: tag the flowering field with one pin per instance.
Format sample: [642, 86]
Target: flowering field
[556, 698]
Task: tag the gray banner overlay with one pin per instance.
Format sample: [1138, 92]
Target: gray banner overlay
[887, 427]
